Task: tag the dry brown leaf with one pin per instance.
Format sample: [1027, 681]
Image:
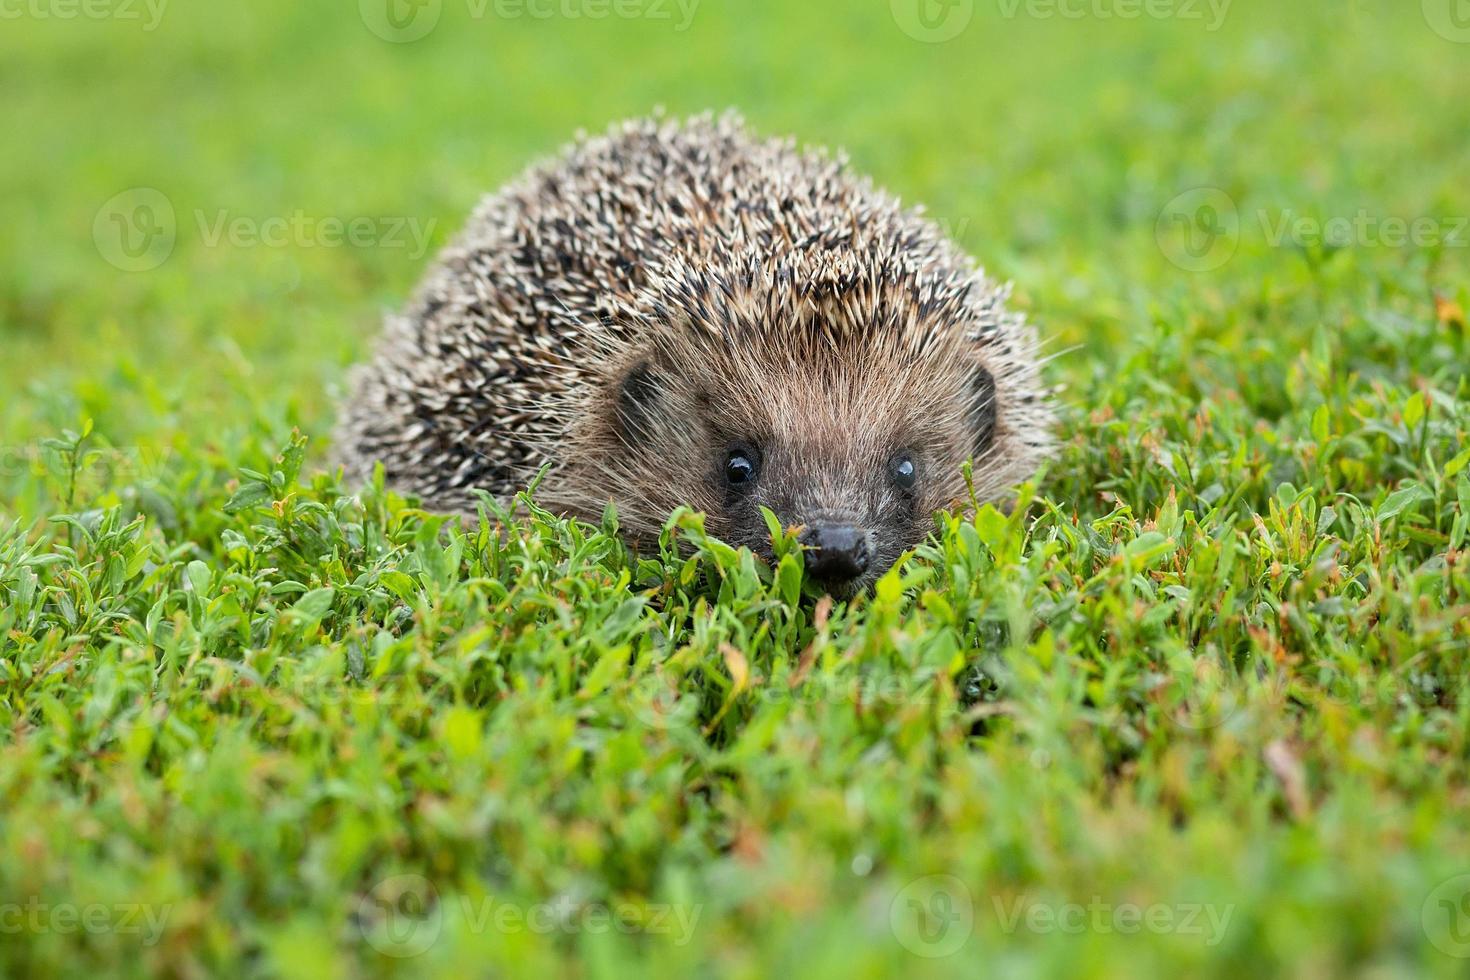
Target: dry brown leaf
[1284, 763]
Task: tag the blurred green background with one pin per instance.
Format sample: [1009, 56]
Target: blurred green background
[207, 207]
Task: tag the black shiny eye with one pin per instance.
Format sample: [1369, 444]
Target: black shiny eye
[742, 465]
[903, 471]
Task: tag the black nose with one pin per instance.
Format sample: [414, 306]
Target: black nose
[835, 553]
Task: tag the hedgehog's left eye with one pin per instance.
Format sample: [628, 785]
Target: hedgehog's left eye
[742, 465]
[901, 468]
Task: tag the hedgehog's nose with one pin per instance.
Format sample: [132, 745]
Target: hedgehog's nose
[835, 553]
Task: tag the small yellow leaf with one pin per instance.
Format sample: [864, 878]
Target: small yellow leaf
[1448, 312]
[738, 666]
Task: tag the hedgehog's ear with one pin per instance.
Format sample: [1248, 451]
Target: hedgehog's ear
[639, 400]
[982, 409]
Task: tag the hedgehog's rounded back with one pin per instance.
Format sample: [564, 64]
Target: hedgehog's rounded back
[679, 313]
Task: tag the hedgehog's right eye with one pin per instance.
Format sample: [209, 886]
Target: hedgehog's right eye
[901, 468]
[742, 465]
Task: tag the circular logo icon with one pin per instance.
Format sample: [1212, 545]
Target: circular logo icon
[933, 916]
[1446, 917]
[1200, 699]
[660, 706]
[1199, 230]
[400, 21]
[136, 230]
[933, 21]
[1450, 19]
[400, 916]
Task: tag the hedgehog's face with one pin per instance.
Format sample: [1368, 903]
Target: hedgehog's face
[856, 511]
[859, 463]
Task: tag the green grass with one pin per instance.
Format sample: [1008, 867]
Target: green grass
[1197, 708]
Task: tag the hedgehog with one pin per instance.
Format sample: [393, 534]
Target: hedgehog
[678, 313]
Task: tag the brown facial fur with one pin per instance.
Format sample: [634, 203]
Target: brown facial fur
[630, 312]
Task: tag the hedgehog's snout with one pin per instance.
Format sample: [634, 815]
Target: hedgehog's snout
[836, 553]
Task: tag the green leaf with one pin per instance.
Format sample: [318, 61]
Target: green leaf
[249, 495]
[291, 457]
[199, 576]
[1454, 466]
[1414, 410]
[1401, 500]
[401, 585]
[773, 523]
[1321, 424]
[310, 608]
[608, 666]
[788, 579]
[463, 732]
[1149, 546]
